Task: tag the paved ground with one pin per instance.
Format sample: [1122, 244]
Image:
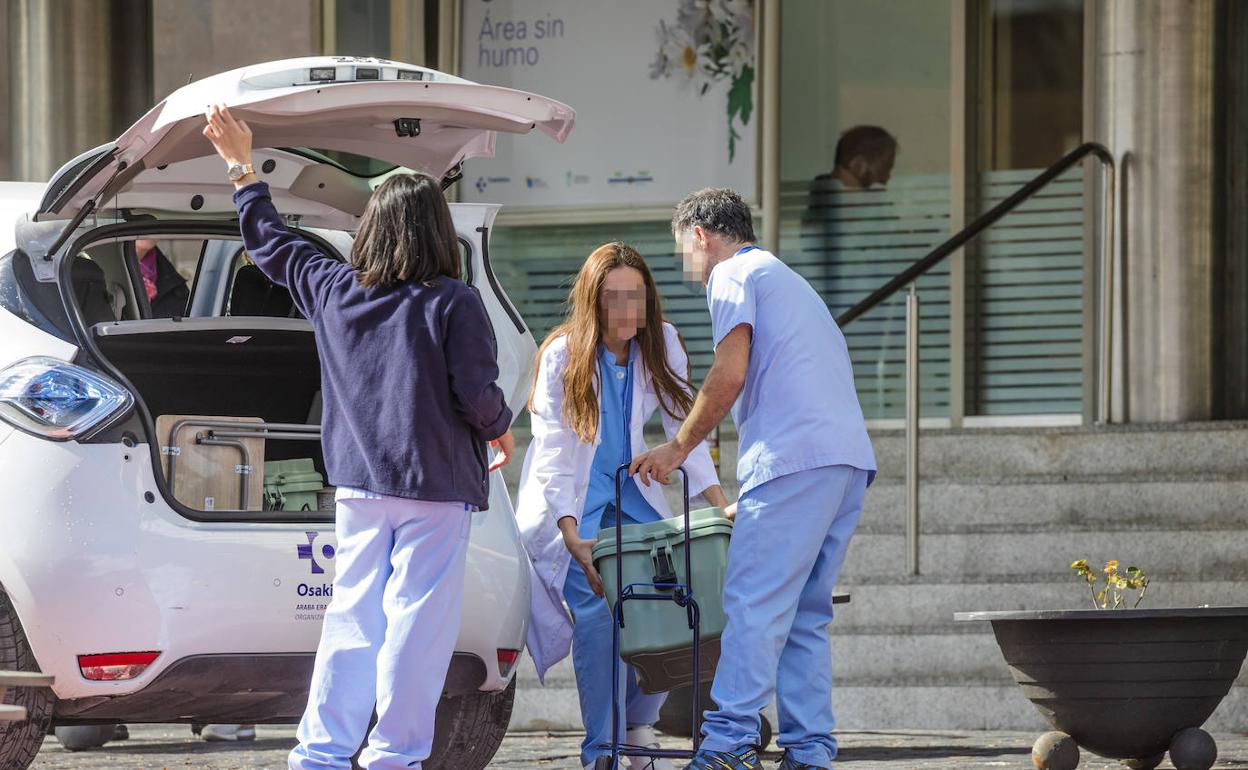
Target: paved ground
[166, 747]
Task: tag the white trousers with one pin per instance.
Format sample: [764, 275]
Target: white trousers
[388, 635]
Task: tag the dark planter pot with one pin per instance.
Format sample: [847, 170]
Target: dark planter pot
[1123, 683]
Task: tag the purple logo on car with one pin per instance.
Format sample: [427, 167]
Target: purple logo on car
[305, 552]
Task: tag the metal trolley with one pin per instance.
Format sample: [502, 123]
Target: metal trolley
[666, 588]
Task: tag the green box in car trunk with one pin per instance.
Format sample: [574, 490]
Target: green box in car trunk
[656, 638]
[291, 485]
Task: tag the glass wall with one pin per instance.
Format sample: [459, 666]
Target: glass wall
[850, 223]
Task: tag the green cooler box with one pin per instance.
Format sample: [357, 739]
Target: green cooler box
[291, 485]
[656, 638]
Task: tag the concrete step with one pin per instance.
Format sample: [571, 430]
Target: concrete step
[1209, 447]
[1085, 503]
[899, 701]
[1210, 450]
[1046, 555]
[899, 604]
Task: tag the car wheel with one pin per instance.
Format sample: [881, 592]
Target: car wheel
[469, 729]
[20, 741]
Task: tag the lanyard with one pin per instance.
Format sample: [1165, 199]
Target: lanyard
[745, 249]
[628, 408]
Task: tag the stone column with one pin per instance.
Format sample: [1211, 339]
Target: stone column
[79, 71]
[1154, 107]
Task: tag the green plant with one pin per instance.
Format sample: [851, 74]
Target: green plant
[1117, 587]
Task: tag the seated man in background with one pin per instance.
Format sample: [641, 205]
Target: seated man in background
[166, 289]
[864, 158]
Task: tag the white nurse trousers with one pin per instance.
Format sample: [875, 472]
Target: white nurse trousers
[389, 632]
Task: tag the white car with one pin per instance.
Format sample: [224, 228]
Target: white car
[147, 605]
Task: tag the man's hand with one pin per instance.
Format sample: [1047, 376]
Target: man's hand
[730, 512]
[583, 551]
[505, 444]
[658, 463]
[231, 138]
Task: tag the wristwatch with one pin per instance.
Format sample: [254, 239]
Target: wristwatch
[237, 171]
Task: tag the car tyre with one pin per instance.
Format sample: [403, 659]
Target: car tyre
[21, 741]
[469, 729]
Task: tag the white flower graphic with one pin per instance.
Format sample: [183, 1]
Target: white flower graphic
[712, 40]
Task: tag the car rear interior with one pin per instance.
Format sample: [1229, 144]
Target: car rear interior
[252, 360]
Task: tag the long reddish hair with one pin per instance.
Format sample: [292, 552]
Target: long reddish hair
[582, 325]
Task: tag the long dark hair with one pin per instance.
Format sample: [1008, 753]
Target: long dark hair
[406, 234]
[583, 328]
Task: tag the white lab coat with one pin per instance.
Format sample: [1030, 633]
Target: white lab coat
[555, 479]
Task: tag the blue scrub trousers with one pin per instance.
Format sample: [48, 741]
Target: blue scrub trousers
[591, 653]
[787, 547]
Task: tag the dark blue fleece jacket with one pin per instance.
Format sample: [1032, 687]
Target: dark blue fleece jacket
[407, 371]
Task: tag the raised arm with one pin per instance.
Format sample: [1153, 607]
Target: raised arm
[286, 258]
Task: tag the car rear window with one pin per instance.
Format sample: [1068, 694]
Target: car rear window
[357, 165]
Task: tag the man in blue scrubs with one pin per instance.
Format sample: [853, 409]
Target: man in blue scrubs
[782, 366]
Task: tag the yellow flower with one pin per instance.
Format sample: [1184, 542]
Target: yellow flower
[1122, 584]
[689, 57]
[1111, 566]
[1082, 564]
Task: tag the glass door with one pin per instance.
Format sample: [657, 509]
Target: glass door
[1025, 276]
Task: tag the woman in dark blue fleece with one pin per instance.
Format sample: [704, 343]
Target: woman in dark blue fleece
[407, 377]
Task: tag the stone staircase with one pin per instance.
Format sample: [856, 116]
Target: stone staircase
[1004, 512]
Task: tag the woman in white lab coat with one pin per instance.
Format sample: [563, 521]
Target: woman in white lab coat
[600, 376]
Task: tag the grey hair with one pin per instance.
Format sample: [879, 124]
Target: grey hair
[718, 210]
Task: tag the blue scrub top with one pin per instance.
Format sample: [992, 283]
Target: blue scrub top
[798, 408]
[615, 396]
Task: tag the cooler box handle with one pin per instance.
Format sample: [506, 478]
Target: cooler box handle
[664, 567]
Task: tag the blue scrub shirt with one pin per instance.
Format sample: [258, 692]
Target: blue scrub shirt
[615, 396]
[798, 408]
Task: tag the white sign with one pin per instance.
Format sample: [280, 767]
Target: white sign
[663, 92]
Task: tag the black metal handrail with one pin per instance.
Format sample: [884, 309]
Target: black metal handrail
[986, 220]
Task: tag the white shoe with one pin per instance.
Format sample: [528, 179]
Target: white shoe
[644, 736]
[214, 733]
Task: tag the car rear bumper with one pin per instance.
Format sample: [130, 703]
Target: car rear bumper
[234, 689]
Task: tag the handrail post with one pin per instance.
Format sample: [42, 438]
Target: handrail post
[1106, 342]
[912, 430]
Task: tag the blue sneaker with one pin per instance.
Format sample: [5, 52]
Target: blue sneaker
[787, 763]
[741, 759]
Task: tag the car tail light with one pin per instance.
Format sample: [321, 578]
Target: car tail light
[116, 666]
[59, 400]
[507, 660]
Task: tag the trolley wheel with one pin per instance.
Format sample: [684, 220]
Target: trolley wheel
[765, 732]
[676, 715]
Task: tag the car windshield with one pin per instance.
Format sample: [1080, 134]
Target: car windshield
[357, 165]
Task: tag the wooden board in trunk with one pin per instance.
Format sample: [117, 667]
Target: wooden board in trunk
[211, 477]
